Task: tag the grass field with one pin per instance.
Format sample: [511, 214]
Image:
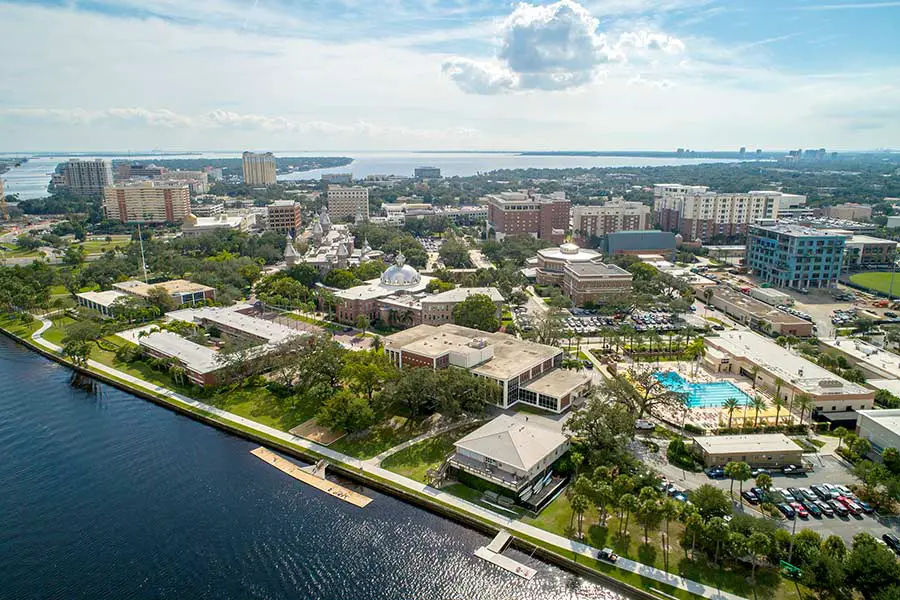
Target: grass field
[414, 462]
[880, 282]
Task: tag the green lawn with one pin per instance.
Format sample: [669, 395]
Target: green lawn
[414, 462]
[880, 282]
[557, 517]
[20, 253]
[99, 246]
[13, 324]
[381, 437]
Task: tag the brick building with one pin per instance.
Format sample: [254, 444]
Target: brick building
[615, 215]
[284, 216]
[147, 202]
[544, 216]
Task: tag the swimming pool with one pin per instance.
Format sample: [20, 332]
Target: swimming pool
[703, 395]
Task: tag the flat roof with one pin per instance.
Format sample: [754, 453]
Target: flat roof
[748, 444]
[173, 286]
[597, 270]
[375, 289]
[889, 419]
[756, 307]
[271, 331]
[194, 356]
[558, 383]
[439, 344]
[512, 356]
[102, 298]
[868, 239]
[513, 440]
[461, 293]
[872, 357]
[795, 230]
[793, 369]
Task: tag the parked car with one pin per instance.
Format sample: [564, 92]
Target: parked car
[750, 497]
[844, 490]
[821, 492]
[645, 425]
[809, 494]
[715, 473]
[839, 509]
[813, 509]
[800, 510]
[796, 493]
[825, 508]
[787, 511]
[833, 492]
[759, 493]
[784, 494]
[865, 506]
[608, 555]
[793, 470]
[759, 471]
[891, 540]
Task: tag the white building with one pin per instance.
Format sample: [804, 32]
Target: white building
[880, 427]
[614, 215]
[87, 178]
[147, 201]
[194, 225]
[259, 168]
[102, 302]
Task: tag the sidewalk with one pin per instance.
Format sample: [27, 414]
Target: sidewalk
[403, 482]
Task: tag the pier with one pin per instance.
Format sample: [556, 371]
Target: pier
[314, 476]
[493, 554]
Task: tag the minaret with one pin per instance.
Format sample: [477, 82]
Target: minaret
[290, 253]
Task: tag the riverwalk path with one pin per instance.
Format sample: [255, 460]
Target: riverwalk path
[399, 481]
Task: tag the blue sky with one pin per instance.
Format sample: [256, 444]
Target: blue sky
[449, 74]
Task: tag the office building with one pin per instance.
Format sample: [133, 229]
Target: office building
[701, 215]
[348, 202]
[259, 168]
[614, 215]
[636, 243]
[134, 170]
[437, 309]
[849, 211]
[198, 181]
[757, 314]
[794, 256]
[880, 427]
[182, 291]
[194, 225]
[544, 216]
[337, 178]
[147, 202]
[284, 216]
[427, 173]
[514, 455]
[580, 274]
[863, 252]
[102, 302]
[88, 178]
[770, 450]
[744, 353]
[526, 372]
[209, 209]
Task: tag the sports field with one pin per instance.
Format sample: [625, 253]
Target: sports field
[880, 282]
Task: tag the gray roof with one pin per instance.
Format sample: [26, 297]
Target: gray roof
[514, 441]
[192, 355]
[460, 294]
[597, 270]
[730, 444]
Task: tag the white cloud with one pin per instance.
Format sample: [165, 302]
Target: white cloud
[554, 47]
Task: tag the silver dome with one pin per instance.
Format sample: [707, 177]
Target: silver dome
[400, 274]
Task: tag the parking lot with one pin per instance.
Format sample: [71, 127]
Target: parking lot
[582, 322]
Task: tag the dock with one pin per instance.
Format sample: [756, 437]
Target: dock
[492, 554]
[313, 479]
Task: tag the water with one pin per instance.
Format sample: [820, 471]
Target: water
[30, 180]
[703, 395]
[105, 495]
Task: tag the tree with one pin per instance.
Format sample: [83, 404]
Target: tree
[840, 432]
[693, 524]
[710, 501]
[159, 297]
[741, 472]
[730, 405]
[549, 328]
[806, 403]
[363, 323]
[649, 514]
[629, 504]
[870, 567]
[764, 481]
[341, 279]
[580, 504]
[861, 447]
[642, 392]
[346, 411]
[717, 530]
[826, 576]
[779, 403]
[477, 311]
[759, 404]
[603, 429]
[758, 544]
[834, 546]
[730, 469]
[368, 372]
[890, 458]
[454, 253]
[669, 510]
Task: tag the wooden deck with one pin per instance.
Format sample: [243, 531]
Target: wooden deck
[319, 483]
[492, 554]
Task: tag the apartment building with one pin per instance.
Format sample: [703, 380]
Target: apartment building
[544, 216]
[699, 214]
[866, 252]
[614, 215]
[147, 202]
[795, 256]
[427, 173]
[284, 216]
[348, 202]
[259, 168]
[197, 181]
[129, 170]
[87, 178]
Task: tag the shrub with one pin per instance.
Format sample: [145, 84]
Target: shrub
[691, 428]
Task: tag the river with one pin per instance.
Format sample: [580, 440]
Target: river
[105, 495]
[31, 178]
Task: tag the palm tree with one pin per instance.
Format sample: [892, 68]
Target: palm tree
[717, 530]
[580, 504]
[731, 405]
[696, 351]
[693, 522]
[669, 510]
[764, 481]
[806, 402]
[840, 432]
[759, 403]
[758, 544]
[755, 372]
[707, 295]
[730, 472]
[629, 504]
[742, 472]
[778, 402]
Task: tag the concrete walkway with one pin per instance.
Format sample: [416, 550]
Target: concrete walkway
[403, 482]
[376, 460]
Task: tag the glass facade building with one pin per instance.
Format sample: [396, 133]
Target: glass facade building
[795, 257]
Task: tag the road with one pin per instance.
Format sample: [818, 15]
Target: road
[479, 260]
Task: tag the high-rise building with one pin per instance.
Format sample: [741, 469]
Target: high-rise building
[794, 256]
[284, 216]
[147, 201]
[344, 202]
[87, 177]
[129, 170]
[699, 214]
[849, 211]
[544, 216]
[259, 168]
[198, 181]
[615, 215]
[338, 178]
[427, 173]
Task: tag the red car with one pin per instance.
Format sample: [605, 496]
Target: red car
[800, 510]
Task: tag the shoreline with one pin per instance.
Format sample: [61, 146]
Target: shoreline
[551, 554]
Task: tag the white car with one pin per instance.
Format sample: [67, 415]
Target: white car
[644, 425]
